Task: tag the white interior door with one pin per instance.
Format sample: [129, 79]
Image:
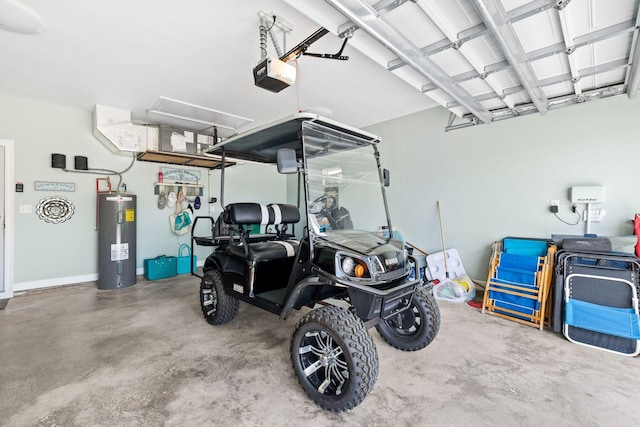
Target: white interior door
[2, 179]
[6, 219]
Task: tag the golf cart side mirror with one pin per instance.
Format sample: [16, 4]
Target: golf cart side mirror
[287, 162]
[385, 177]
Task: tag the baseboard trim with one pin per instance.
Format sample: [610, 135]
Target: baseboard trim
[49, 283]
[63, 281]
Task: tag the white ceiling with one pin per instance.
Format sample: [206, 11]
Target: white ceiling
[127, 54]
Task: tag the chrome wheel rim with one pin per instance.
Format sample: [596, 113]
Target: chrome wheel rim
[209, 300]
[407, 322]
[323, 363]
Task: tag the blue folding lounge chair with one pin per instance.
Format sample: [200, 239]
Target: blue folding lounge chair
[519, 281]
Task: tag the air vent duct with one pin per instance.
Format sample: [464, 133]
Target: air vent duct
[113, 127]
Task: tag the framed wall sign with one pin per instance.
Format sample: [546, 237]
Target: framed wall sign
[180, 175]
[54, 186]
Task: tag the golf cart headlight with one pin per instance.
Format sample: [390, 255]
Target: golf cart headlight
[354, 267]
[347, 265]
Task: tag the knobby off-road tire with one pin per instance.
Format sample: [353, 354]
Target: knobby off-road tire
[217, 306]
[334, 358]
[415, 328]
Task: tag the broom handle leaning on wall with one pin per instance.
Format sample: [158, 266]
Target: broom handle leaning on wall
[417, 248]
[444, 248]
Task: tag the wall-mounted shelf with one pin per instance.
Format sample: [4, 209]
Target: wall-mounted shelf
[181, 159]
[172, 186]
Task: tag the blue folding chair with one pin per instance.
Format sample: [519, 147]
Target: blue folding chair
[519, 281]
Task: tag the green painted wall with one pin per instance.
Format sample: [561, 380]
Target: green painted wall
[497, 180]
[492, 181]
[68, 251]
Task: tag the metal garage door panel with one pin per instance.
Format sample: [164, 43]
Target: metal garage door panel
[481, 53]
[443, 99]
[371, 48]
[451, 17]
[412, 77]
[486, 54]
[603, 79]
[412, 22]
[539, 31]
[510, 5]
[580, 19]
[477, 87]
[551, 66]
[485, 50]
[517, 98]
[559, 89]
[452, 61]
[597, 33]
[459, 111]
[494, 104]
[613, 48]
[587, 16]
[504, 79]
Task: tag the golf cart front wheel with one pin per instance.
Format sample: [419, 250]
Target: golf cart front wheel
[414, 328]
[334, 358]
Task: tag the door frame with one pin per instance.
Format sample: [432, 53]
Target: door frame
[7, 218]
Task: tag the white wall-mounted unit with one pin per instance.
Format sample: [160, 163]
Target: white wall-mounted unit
[587, 194]
[113, 127]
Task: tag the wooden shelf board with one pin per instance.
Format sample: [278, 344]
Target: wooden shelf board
[181, 159]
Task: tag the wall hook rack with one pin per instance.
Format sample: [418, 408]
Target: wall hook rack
[188, 189]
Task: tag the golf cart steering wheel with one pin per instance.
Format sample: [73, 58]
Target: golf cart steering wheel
[313, 208]
[324, 211]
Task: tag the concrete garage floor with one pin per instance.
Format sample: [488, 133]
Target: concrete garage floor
[78, 356]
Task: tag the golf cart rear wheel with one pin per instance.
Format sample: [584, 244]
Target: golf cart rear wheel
[334, 358]
[217, 306]
[414, 328]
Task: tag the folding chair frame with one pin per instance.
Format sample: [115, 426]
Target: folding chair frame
[633, 306]
[539, 292]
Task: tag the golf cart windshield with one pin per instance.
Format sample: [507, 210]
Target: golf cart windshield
[344, 186]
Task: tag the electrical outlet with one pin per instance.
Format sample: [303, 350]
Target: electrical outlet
[25, 209]
[554, 203]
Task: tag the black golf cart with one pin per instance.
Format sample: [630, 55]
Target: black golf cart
[324, 249]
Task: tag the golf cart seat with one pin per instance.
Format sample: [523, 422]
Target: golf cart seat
[279, 246]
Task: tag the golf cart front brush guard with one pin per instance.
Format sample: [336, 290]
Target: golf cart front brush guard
[373, 305]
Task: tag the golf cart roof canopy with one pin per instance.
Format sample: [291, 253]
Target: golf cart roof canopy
[262, 143]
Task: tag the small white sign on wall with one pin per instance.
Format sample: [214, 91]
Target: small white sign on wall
[54, 186]
[180, 175]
